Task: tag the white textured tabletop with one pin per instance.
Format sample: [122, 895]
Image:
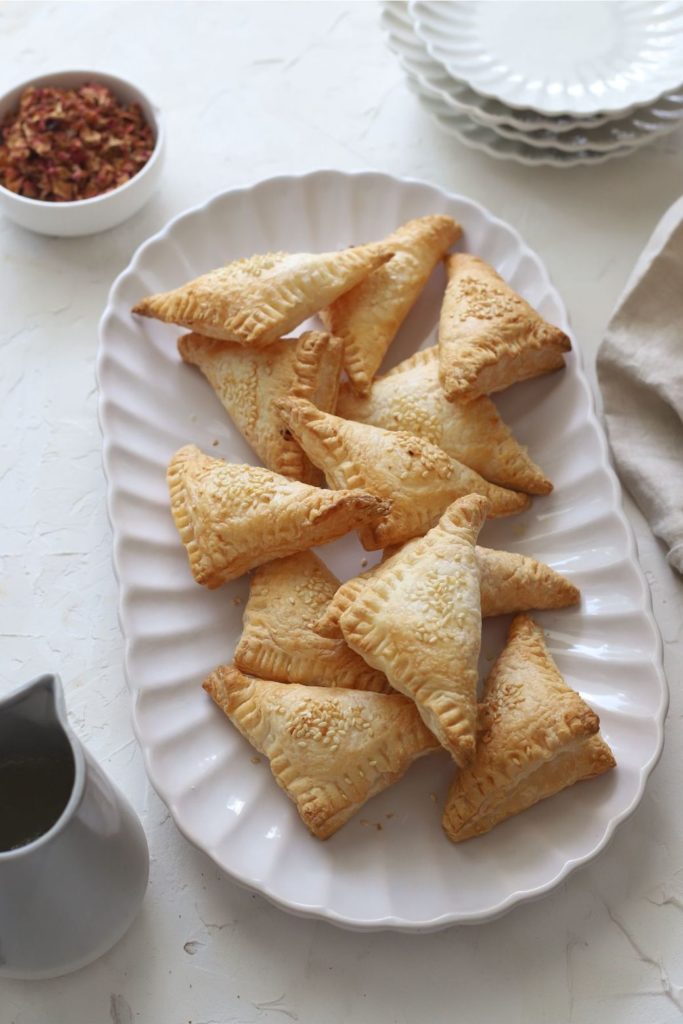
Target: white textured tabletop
[250, 90]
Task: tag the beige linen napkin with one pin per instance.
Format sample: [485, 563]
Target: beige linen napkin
[640, 370]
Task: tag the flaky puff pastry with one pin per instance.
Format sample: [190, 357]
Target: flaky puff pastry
[507, 582]
[329, 749]
[518, 583]
[418, 620]
[278, 641]
[489, 336]
[368, 316]
[232, 517]
[410, 398]
[248, 381]
[257, 300]
[537, 737]
[420, 478]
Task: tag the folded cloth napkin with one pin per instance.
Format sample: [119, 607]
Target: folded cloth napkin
[640, 370]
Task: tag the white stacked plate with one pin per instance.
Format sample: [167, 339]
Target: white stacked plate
[550, 83]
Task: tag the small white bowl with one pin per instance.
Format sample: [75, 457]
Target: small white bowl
[87, 216]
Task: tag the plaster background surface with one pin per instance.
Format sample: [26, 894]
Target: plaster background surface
[251, 90]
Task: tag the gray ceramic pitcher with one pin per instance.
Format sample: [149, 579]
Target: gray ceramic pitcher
[69, 892]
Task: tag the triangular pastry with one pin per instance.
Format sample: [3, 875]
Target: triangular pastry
[420, 478]
[518, 583]
[537, 737]
[410, 398]
[248, 380]
[329, 749]
[233, 517]
[278, 641]
[368, 316]
[418, 620]
[489, 336]
[508, 583]
[255, 301]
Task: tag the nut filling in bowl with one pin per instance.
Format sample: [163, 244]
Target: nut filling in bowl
[69, 144]
[79, 152]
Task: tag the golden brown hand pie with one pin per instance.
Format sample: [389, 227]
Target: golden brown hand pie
[329, 749]
[420, 478]
[508, 583]
[278, 641]
[418, 620]
[489, 337]
[248, 380]
[257, 300]
[368, 316]
[233, 517]
[537, 737]
[518, 583]
[410, 398]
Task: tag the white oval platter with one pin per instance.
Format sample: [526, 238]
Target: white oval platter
[390, 867]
